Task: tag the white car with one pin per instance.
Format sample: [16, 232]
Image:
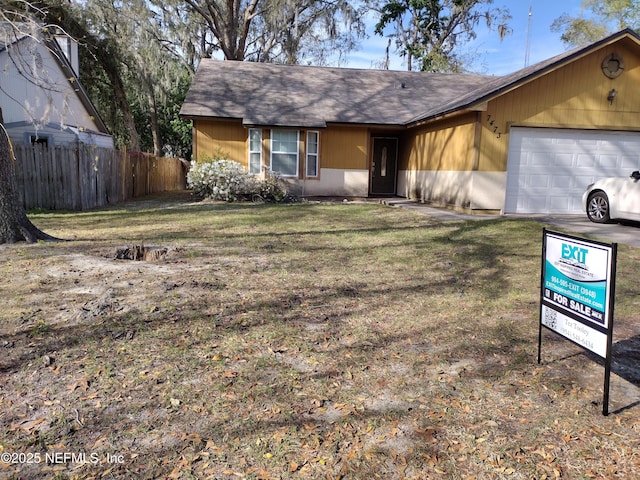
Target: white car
[615, 198]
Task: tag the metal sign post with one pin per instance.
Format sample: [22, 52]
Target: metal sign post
[577, 291]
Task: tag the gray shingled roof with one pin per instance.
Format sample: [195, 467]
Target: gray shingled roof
[300, 96]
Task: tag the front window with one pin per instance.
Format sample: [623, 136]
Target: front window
[255, 151]
[284, 152]
[312, 154]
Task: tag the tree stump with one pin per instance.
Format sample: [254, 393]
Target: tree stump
[141, 253]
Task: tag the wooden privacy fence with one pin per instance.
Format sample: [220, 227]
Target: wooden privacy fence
[83, 177]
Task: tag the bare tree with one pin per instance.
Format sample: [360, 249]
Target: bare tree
[283, 31]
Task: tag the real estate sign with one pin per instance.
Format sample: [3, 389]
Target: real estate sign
[577, 290]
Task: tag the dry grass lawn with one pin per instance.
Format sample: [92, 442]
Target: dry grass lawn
[322, 341]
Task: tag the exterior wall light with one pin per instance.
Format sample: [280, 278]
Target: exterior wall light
[611, 96]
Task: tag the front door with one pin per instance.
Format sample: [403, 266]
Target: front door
[384, 166]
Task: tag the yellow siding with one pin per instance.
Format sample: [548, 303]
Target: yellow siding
[340, 147]
[445, 145]
[344, 147]
[228, 138]
[574, 96]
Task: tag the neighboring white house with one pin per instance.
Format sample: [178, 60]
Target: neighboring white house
[41, 97]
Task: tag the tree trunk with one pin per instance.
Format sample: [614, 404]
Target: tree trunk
[14, 224]
[111, 69]
[153, 115]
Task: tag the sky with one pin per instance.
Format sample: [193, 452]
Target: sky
[493, 57]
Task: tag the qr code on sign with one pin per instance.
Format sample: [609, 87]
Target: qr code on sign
[550, 318]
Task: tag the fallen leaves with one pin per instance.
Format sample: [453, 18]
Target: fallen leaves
[346, 353]
[28, 426]
[81, 383]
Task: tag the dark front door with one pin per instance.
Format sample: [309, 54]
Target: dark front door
[384, 166]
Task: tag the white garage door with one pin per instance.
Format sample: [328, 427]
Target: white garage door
[549, 169]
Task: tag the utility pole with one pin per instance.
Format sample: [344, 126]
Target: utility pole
[527, 48]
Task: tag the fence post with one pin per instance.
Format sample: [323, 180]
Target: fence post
[123, 169]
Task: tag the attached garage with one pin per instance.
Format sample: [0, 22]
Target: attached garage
[540, 135]
[549, 169]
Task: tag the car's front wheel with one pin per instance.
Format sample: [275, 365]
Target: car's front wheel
[598, 208]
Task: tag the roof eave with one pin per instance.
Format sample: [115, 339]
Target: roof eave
[251, 123]
[214, 118]
[454, 112]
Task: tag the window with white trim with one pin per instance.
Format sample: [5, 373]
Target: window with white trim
[312, 154]
[255, 151]
[284, 152]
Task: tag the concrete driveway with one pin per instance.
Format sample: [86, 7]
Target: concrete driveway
[626, 233]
